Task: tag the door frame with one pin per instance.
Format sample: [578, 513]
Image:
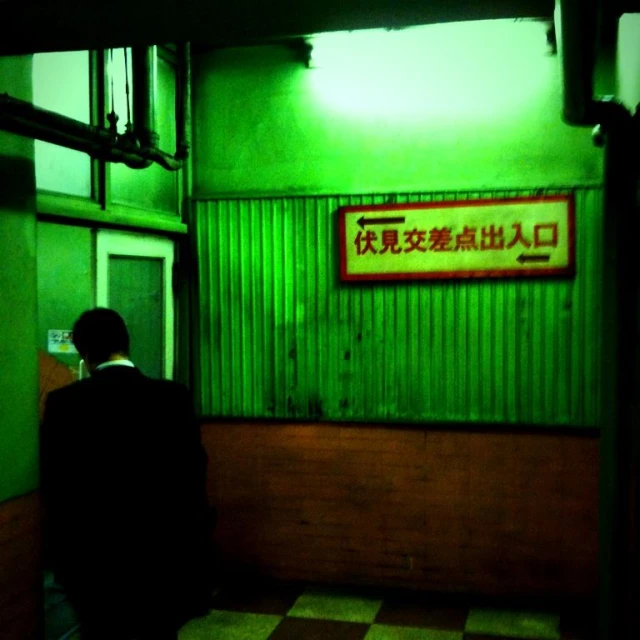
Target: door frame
[140, 245]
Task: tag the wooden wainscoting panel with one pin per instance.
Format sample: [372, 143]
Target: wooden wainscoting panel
[494, 513]
[21, 605]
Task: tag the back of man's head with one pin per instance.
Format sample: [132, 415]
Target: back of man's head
[99, 334]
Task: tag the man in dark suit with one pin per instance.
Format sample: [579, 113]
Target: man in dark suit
[127, 523]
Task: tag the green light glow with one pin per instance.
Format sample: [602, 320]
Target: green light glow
[628, 69]
[455, 72]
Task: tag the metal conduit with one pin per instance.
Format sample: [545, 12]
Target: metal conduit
[578, 43]
[183, 103]
[580, 27]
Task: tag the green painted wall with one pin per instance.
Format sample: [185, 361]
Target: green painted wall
[65, 279]
[18, 305]
[471, 106]
[439, 112]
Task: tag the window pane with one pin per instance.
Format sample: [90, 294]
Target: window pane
[61, 84]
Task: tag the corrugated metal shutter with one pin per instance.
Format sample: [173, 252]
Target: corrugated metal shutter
[281, 336]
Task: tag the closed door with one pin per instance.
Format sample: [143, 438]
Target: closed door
[135, 278]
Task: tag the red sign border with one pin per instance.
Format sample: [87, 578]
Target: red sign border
[569, 270]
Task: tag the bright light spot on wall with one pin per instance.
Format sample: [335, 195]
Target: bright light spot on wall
[452, 71]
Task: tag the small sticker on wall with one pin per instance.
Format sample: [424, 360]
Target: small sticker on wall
[60, 341]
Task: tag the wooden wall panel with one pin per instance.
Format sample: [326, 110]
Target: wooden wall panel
[53, 375]
[21, 604]
[491, 513]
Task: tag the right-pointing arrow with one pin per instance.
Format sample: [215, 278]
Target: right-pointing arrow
[539, 258]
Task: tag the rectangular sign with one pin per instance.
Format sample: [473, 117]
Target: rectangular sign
[458, 239]
[60, 341]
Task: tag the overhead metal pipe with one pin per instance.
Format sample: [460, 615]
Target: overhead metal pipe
[136, 149]
[183, 102]
[23, 118]
[577, 46]
[145, 90]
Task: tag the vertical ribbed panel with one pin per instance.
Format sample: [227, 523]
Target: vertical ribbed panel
[281, 336]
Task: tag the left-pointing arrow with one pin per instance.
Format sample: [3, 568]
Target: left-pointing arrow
[367, 221]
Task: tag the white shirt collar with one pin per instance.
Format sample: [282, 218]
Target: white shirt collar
[115, 363]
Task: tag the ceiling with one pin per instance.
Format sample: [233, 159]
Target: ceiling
[31, 26]
[59, 25]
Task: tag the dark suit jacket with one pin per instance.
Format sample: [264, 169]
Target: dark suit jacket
[123, 484]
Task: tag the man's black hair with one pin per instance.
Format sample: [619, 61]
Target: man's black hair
[99, 333]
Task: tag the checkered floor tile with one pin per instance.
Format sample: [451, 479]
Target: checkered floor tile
[286, 612]
[514, 624]
[276, 611]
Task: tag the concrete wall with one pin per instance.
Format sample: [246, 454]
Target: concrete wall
[18, 303]
[65, 280]
[20, 578]
[462, 106]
